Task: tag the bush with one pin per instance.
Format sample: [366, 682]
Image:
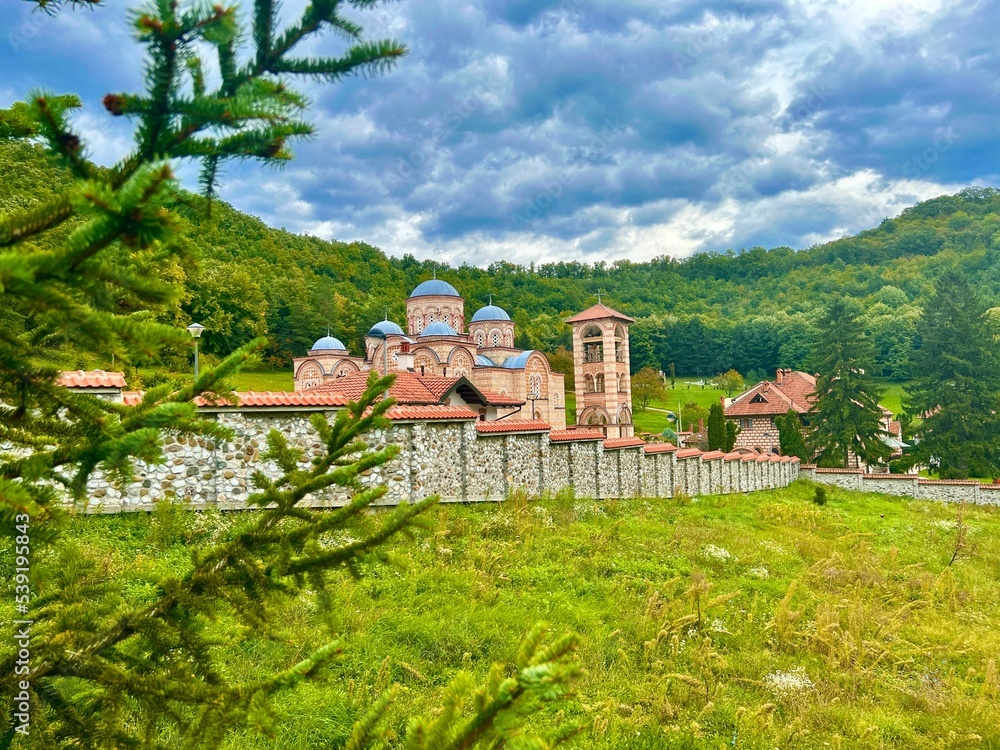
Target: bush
[820, 497]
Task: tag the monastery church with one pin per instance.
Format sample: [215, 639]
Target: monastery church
[439, 360]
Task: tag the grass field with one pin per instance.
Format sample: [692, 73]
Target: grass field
[756, 621]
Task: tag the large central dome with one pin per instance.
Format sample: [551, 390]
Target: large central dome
[434, 288]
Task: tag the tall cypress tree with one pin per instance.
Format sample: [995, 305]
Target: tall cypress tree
[790, 439]
[956, 385]
[110, 668]
[846, 415]
[716, 428]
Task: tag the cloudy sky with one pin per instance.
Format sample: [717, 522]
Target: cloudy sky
[538, 130]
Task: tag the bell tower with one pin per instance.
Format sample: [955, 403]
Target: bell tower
[601, 367]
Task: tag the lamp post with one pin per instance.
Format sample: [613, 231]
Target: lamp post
[195, 329]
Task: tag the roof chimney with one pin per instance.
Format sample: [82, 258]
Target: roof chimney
[779, 376]
[701, 426]
[404, 358]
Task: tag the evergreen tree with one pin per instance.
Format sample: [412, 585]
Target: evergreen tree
[846, 415]
[956, 386]
[117, 662]
[732, 432]
[790, 439]
[716, 428]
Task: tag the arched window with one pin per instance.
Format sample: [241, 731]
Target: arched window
[507, 340]
[600, 383]
[420, 323]
[479, 339]
[430, 318]
[588, 383]
[496, 339]
[455, 324]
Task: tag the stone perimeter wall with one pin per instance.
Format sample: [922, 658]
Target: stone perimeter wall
[449, 458]
[907, 485]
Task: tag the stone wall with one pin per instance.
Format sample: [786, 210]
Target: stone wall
[908, 485]
[460, 459]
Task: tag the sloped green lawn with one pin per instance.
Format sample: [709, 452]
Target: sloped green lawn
[757, 621]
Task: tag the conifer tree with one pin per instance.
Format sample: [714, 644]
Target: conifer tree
[790, 439]
[956, 385]
[716, 428]
[732, 432]
[109, 669]
[846, 416]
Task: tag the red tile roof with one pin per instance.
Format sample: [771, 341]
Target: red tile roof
[438, 411]
[513, 425]
[91, 379]
[596, 312]
[613, 443]
[770, 398]
[498, 399]
[660, 448]
[409, 387]
[563, 436]
[688, 453]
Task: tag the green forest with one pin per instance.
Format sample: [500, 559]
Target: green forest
[751, 310]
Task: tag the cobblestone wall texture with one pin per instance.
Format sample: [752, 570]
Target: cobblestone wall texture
[907, 485]
[449, 458]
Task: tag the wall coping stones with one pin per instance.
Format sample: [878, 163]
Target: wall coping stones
[749, 457]
[616, 443]
[660, 448]
[399, 413]
[761, 458]
[836, 471]
[565, 436]
[688, 453]
[513, 425]
[907, 477]
[712, 455]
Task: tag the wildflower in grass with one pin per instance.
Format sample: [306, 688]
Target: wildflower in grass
[793, 682]
[716, 553]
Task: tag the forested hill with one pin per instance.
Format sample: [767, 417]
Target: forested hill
[750, 310]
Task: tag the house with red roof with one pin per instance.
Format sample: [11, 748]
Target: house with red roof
[756, 409]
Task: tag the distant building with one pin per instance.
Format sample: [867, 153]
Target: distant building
[601, 369]
[756, 409]
[477, 364]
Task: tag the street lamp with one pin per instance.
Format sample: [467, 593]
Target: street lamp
[195, 329]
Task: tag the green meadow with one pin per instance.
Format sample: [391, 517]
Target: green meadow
[741, 621]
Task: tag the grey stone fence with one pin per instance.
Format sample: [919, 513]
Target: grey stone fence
[444, 451]
[908, 485]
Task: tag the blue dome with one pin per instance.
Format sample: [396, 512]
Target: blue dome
[439, 329]
[490, 312]
[518, 361]
[328, 342]
[434, 288]
[483, 361]
[385, 328]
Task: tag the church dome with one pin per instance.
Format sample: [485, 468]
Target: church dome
[490, 312]
[385, 328]
[434, 288]
[439, 329]
[328, 343]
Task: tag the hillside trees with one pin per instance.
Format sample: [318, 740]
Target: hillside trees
[846, 416]
[116, 661]
[956, 385]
